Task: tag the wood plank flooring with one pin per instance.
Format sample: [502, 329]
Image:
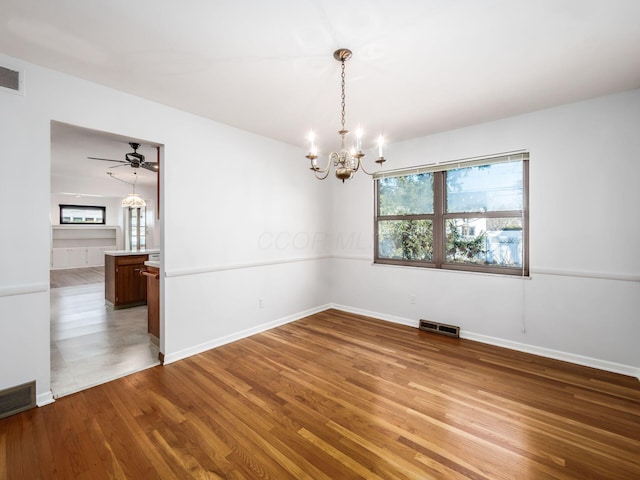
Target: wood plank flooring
[70, 277]
[338, 396]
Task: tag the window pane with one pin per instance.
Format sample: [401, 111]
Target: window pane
[406, 195]
[485, 241]
[486, 188]
[405, 239]
[81, 214]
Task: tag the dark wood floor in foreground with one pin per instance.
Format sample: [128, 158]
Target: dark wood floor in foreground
[338, 396]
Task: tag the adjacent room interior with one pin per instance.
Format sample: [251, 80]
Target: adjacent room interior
[91, 181]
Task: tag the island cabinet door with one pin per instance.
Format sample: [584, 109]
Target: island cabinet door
[131, 286]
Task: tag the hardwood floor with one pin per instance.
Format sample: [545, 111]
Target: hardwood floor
[338, 396]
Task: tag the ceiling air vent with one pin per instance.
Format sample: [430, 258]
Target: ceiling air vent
[440, 328]
[17, 399]
[10, 80]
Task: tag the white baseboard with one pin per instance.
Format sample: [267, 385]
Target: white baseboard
[381, 316]
[555, 354]
[24, 289]
[521, 347]
[217, 342]
[44, 399]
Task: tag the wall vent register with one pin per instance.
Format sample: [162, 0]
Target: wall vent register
[10, 79]
[17, 399]
[440, 328]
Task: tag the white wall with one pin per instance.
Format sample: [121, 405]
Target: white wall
[223, 189]
[114, 211]
[113, 206]
[583, 298]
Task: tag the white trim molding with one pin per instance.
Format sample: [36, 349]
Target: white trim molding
[45, 399]
[239, 266]
[218, 342]
[521, 347]
[621, 277]
[25, 289]
[555, 354]
[379, 316]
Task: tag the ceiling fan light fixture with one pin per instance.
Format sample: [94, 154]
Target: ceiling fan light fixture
[133, 159]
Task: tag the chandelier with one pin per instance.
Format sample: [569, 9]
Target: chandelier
[348, 160]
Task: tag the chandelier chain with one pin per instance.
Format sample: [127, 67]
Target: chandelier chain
[342, 104]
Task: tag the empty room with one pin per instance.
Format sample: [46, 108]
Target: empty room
[320, 239]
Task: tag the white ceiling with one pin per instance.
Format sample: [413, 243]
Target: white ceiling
[419, 66]
[70, 147]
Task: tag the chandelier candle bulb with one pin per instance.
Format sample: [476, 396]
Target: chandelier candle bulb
[359, 139]
[312, 147]
[380, 143]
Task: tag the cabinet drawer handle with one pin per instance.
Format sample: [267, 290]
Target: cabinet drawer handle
[146, 273]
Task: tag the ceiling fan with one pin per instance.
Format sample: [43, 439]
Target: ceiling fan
[133, 159]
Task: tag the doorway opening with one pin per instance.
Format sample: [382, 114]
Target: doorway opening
[99, 317]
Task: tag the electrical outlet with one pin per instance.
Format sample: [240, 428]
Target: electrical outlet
[261, 302]
[412, 299]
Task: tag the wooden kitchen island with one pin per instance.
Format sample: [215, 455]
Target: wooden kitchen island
[124, 285]
[152, 275]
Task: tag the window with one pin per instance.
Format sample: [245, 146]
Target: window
[464, 216]
[136, 227]
[82, 214]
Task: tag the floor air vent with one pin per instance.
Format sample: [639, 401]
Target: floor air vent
[440, 328]
[17, 399]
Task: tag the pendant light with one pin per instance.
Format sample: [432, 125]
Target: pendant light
[133, 200]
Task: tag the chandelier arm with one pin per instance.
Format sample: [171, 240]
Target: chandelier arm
[361, 164]
[323, 176]
[326, 170]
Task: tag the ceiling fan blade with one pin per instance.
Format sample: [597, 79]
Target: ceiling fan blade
[152, 166]
[107, 159]
[124, 164]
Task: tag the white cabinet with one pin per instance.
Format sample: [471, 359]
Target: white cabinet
[68, 257]
[95, 255]
[82, 246]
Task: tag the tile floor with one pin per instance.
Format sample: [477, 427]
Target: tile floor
[92, 343]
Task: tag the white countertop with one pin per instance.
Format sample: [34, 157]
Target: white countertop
[120, 253]
[152, 263]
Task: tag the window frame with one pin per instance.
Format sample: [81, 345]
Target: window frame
[83, 207]
[439, 217]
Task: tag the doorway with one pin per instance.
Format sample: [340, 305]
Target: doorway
[92, 342]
